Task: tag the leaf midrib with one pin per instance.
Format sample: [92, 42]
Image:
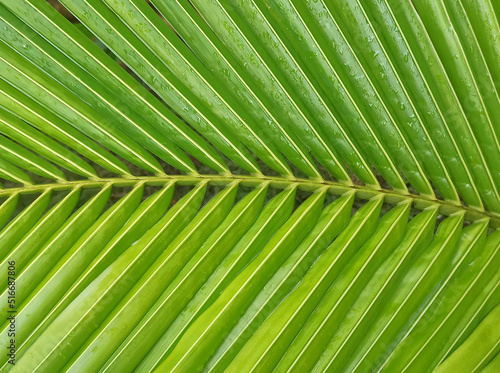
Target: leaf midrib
[420, 202]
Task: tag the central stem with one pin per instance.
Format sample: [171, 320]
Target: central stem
[310, 185]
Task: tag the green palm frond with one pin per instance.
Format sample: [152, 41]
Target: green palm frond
[250, 186]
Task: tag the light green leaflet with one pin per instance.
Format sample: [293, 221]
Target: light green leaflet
[285, 186]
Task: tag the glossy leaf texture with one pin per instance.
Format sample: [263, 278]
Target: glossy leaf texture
[250, 185]
[246, 281]
[408, 93]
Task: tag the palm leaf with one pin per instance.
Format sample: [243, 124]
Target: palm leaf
[250, 186]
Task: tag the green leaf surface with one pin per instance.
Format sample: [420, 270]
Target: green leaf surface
[249, 186]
